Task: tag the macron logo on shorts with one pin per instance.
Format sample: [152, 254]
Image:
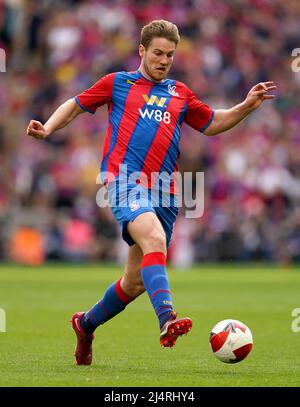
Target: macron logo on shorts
[134, 206]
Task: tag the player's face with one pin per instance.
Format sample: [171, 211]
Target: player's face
[157, 59]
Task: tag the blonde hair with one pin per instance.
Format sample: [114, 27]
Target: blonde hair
[159, 28]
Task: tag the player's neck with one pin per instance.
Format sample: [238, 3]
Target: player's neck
[145, 75]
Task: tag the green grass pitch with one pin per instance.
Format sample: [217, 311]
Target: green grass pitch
[37, 347]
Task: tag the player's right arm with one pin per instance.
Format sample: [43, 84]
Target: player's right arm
[88, 101]
[60, 118]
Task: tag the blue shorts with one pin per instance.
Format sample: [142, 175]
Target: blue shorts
[128, 201]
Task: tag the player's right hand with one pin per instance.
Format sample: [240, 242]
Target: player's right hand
[36, 129]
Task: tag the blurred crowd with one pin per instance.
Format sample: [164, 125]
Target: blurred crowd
[55, 49]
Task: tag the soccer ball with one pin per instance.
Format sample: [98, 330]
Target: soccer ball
[231, 341]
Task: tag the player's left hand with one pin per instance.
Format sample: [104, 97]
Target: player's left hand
[258, 94]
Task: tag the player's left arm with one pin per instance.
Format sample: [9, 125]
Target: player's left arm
[225, 119]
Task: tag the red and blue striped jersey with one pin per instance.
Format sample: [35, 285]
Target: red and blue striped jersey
[145, 119]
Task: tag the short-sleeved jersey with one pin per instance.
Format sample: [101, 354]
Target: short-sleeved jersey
[145, 120]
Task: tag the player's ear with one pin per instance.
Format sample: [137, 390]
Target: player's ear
[141, 50]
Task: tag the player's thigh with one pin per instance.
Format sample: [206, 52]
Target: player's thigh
[132, 282]
[147, 231]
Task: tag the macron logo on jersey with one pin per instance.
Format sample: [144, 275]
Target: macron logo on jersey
[131, 83]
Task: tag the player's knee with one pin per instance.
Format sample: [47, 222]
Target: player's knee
[156, 242]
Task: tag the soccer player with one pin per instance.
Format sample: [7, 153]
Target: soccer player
[146, 111]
